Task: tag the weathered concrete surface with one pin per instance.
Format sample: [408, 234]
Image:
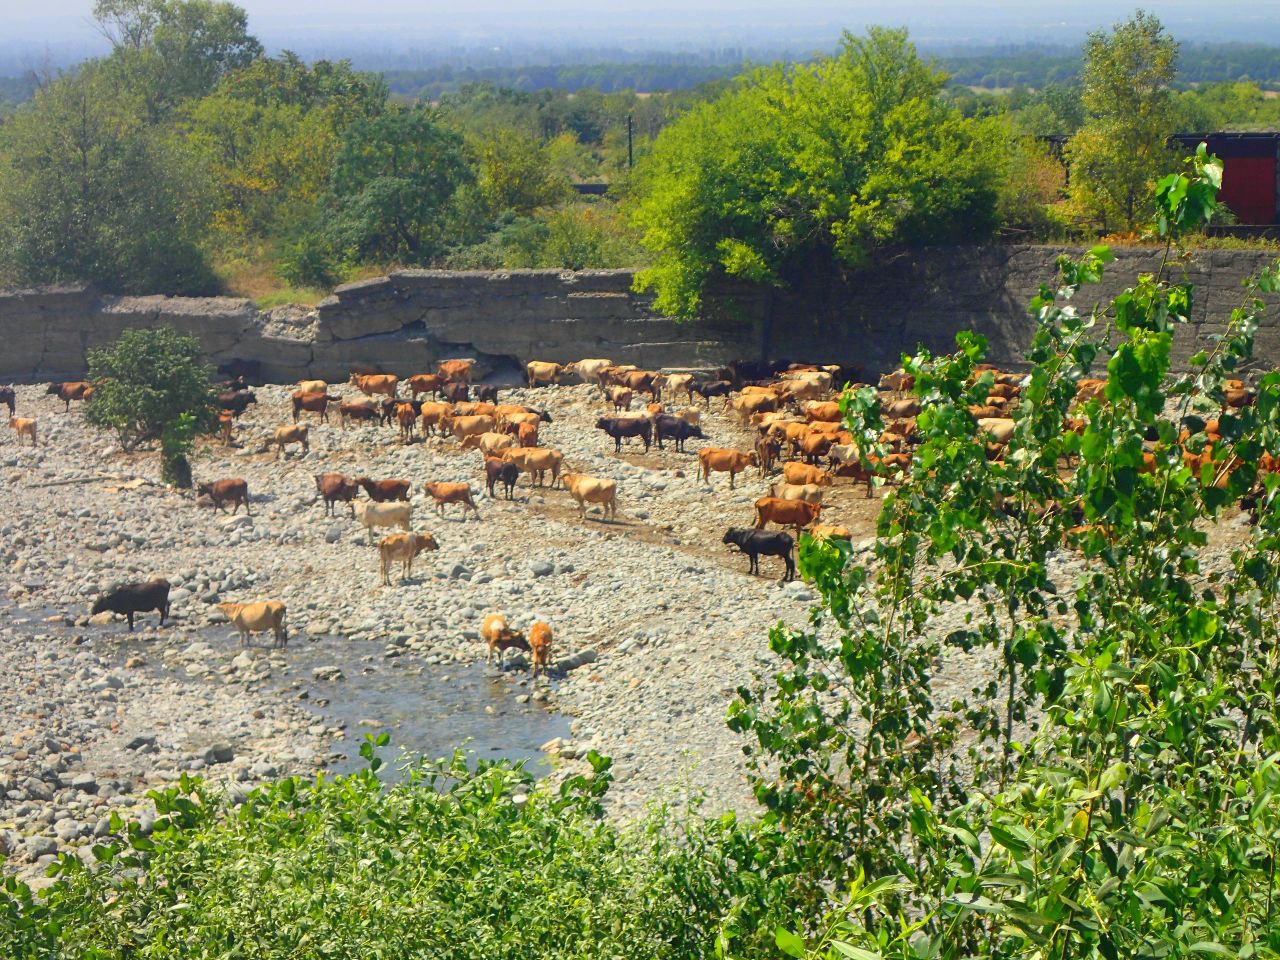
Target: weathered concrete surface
[405, 322]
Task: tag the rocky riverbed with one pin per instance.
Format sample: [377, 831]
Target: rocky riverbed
[656, 622]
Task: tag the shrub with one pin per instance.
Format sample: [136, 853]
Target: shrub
[454, 863]
[152, 385]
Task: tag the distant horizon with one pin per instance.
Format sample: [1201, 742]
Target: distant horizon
[383, 32]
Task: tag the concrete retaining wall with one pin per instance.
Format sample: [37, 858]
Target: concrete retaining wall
[406, 322]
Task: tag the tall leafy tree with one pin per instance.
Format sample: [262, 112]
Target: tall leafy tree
[176, 50]
[393, 180]
[1121, 149]
[89, 192]
[831, 160]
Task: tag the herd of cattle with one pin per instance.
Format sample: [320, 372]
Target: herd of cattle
[789, 410]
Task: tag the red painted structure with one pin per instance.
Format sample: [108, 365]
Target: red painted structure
[1250, 172]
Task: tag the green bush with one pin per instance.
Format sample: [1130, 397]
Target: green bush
[454, 863]
[153, 385]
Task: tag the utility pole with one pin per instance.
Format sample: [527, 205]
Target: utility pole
[630, 154]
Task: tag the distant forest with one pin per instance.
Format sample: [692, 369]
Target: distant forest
[1002, 68]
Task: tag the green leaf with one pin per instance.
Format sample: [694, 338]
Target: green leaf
[789, 943]
[854, 953]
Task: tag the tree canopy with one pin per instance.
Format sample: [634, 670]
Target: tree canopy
[1121, 148]
[832, 160]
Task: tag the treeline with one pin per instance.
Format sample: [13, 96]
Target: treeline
[433, 83]
[1038, 67]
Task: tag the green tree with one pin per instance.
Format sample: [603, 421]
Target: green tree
[268, 136]
[1121, 148]
[515, 174]
[88, 192]
[153, 385]
[392, 183]
[826, 162]
[172, 51]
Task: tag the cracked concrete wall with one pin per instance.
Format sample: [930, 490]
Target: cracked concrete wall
[406, 322]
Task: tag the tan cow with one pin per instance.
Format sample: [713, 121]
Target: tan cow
[498, 635]
[998, 429]
[384, 383]
[463, 427]
[403, 547]
[719, 460]
[542, 372]
[444, 493]
[589, 370]
[748, 403]
[293, 433]
[804, 473]
[26, 427]
[677, 383]
[536, 461]
[491, 443]
[809, 492]
[585, 489]
[396, 514]
[826, 531]
[434, 415]
[312, 386]
[620, 397]
[257, 617]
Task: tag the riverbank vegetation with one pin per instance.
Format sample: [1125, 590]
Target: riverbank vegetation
[188, 161]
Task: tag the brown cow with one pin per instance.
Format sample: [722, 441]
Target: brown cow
[786, 513]
[226, 422]
[540, 647]
[406, 417]
[825, 410]
[71, 390]
[382, 491]
[352, 410]
[336, 487]
[455, 371]
[497, 469]
[234, 491]
[444, 493]
[369, 384]
[475, 408]
[425, 383]
[767, 450]
[312, 403]
[720, 460]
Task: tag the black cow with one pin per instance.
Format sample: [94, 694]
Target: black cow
[712, 388]
[7, 397]
[497, 470]
[486, 393]
[668, 427]
[237, 401]
[619, 427]
[770, 543]
[133, 598]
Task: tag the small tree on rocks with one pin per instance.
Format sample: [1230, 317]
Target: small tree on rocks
[151, 385]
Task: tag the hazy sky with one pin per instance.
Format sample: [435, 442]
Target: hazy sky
[65, 24]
